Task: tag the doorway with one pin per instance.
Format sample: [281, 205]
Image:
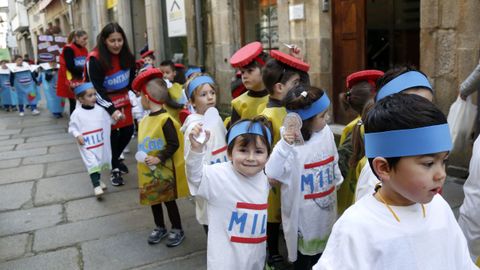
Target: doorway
[372, 34]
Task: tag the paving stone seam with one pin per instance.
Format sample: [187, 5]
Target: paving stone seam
[80, 256]
[38, 253]
[170, 260]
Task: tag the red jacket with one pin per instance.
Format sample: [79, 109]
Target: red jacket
[64, 76]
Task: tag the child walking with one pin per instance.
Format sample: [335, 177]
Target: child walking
[406, 224]
[202, 90]
[161, 177]
[236, 193]
[8, 93]
[48, 79]
[21, 77]
[309, 174]
[90, 125]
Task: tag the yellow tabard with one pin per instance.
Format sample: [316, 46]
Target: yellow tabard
[346, 192]
[175, 93]
[248, 107]
[167, 181]
[275, 116]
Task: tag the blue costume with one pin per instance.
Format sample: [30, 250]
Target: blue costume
[48, 78]
[8, 95]
[26, 86]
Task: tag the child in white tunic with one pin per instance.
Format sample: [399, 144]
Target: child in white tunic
[201, 90]
[90, 125]
[309, 174]
[406, 224]
[469, 218]
[236, 193]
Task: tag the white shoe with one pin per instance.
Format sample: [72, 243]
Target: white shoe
[35, 112]
[98, 191]
[102, 185]
[21, 114]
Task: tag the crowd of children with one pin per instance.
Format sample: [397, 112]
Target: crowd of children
[273, 164]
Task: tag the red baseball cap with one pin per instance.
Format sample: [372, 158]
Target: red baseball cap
[179, 65]
[290, 60]
[247, 54]
[369, 75]
[143, 78]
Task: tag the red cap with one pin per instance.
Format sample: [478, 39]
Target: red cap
[246, 55]
[139, 63]
[143, 78]
[290, 60]
[179, 65]
[147, 53]
[370, 75]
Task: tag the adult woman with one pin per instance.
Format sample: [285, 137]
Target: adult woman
[72, 62]
[111, 69]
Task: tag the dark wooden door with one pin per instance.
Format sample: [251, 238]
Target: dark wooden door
[348, 48]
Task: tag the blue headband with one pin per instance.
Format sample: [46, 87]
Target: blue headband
[317, 107]
[192, 70]
[246, 127]
[82, 88]
[197, 82]
[403, 82]
[408, 142]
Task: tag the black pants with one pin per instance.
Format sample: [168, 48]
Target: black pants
[305, 262]
[119, 139]
[173, 215]
[273, 231]
[72, 102]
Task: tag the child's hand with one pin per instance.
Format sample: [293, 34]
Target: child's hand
[152, 161]
[194, 144]
[274, 182]
[289, 135]
[80, 140]
[296, 52]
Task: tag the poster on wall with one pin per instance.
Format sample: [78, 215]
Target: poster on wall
[177, 26]
[50, 47]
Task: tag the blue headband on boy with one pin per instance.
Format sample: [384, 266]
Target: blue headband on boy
[200, 80]
[192, 70]
[246, 127]
[403, 82]
[315, 108]
[408, 142]
[82, 88]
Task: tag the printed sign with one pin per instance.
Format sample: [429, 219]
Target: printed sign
[50, 47]
[177, 26]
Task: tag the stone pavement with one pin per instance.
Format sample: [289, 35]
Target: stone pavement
[49, 218]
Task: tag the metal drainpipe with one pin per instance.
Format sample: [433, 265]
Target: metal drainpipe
[198, 23]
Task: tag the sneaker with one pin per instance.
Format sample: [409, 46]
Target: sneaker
[157, 235]
[175, 238]
[116, 177]
[123, 168]
[275, 262]
[35, 112]
[21, 114]
[102, 185]
[98, 191]
[121, 157]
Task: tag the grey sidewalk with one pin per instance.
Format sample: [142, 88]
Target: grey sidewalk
[49, 218]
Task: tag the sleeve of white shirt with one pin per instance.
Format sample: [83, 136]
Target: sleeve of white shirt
[278, 166]
[73, 126]
[196, 174]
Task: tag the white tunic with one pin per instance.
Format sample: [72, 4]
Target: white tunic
[94, 125]
[469, 218]
[309, 175]
[366, 182]
[367, 236]
[237, 213]
[215, 152]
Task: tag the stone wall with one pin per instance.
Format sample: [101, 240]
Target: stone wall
[449, 50]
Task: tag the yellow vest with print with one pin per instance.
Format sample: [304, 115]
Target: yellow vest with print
[175, 93]
[166, 182]
[248, 107]
[275, 116]
[346, 192]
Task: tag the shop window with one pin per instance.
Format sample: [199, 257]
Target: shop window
[259, 22]
[176, 48]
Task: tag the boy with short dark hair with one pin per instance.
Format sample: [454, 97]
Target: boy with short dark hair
[405, 224]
